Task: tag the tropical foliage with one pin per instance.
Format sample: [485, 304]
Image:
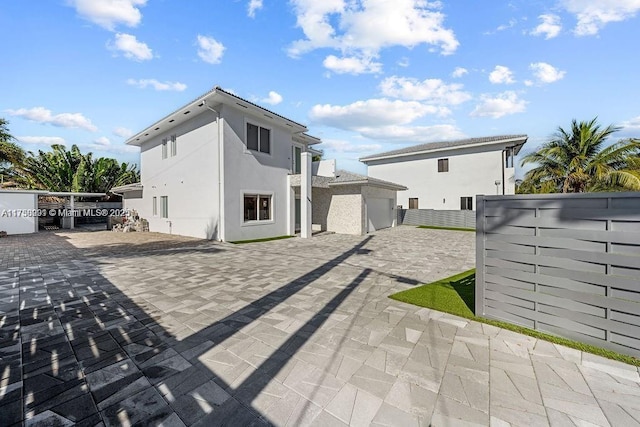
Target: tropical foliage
[70, 170]
[61, 169]
[576, 160]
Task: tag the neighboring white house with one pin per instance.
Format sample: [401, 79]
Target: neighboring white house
[448, 175]
[224, 168]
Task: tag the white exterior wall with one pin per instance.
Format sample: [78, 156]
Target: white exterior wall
[472, 171]
[23, 203]
[379, 193]
[189, 179]
[250, 172]
[346, 212]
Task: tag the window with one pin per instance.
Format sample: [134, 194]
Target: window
[174, 145]
[257, 207]
[296, 166]
[258, 138]
[466, 203]
[508, 158]
[443, 165]
[155, 206]
[164, 148]
[164, 207]
[413, 203]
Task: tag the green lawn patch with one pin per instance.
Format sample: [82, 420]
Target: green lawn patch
[433, 227]
[456, 295]
[266, 239]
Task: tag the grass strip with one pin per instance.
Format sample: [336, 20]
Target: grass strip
[433, 227]
[266, 239]
[456, 295]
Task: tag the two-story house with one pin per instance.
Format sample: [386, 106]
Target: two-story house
[218, 168]
[448, 175]
[224, 168]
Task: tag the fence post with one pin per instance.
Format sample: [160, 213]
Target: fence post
[480, 236]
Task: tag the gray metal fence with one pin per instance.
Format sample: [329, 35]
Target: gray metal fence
[564, 264]
[463, 219]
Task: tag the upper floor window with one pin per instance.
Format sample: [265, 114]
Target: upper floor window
[443, 165]
[413, 203]
[296, 165]
[169, 144]
[508, 158]
[174, 145]
[258, 138]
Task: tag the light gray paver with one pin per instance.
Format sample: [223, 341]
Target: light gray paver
[170, 331]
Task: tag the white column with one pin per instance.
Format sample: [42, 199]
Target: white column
[73, 207]
[305, 196]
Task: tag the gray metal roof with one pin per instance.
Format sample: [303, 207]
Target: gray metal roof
[518, 141]
[216, 95]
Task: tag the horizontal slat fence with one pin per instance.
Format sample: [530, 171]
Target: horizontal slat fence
[564, 264]
[437, 218]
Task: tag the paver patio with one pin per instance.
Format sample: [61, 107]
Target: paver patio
[140, 328]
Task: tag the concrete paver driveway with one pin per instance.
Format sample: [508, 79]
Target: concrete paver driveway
[140, 328]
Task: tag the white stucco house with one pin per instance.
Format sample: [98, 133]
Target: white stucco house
[448, 175]
[223, 168]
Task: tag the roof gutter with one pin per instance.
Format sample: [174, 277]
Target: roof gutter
[437, 150]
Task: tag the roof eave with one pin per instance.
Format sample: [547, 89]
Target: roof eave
[437, 150]
[215, 96]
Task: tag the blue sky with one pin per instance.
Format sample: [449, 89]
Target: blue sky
[364, 75]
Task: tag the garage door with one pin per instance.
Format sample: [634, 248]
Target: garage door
[379, 214]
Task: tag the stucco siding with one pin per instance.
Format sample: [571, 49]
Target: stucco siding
[346, 211]
[18, 212]
[472, 171]
[321, 204]
[189, 180]
[380, 193]
[250, 172]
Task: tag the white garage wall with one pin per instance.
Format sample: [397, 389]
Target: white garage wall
[23, 203]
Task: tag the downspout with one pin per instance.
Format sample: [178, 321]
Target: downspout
[220, 175]
[503, 168]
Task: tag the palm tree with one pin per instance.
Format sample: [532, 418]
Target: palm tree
[11, 154]
[62, 170]
[574, 161]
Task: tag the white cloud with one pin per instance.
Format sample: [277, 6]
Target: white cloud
[361, 28]
[352, 65]
[274, 98]
[157, 85]
[122, 132]
[550, 26]
[372, 113]
[459, 72]
[404, 62]
[546, 73]
[633, 124]
[431, 90]
[41, 140]
[210, 50]
[511, 24]
[501, 74]
[130, 47]
[413, 133]
[253, 6]
[498, 106]
[594, 15]
[341, 146]
[65, 120]
[109, 13]
[103, 141]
